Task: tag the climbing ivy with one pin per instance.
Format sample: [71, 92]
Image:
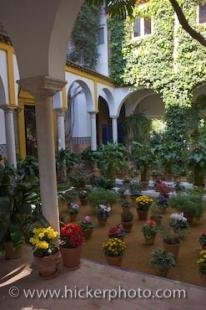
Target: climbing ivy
[148, 62]
[84, 37]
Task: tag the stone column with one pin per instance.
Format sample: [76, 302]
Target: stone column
[10, 134]
[61, 129]
[114, 130]
[43, 89]
[93, 131]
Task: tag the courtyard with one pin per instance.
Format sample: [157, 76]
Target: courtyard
[102, 154]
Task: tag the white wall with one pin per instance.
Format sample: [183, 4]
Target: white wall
[80, 118]
[4, 74]
[102, 62]
[2, 128]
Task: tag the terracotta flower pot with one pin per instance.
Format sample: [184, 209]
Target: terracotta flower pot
[172, 248]
[162, 272]
[48, 266]
[149, 241]
[114, 261]
[127, 226]
[88, 233]
[203, 246]
[71, 257]
[142, 214]
[11, 252]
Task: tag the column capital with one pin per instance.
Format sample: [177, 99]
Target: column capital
[93, 112]
[41, 86]
[60, 111]
[114, 116]
[8, 108]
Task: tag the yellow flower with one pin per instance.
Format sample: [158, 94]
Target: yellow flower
[41, 235]
[42, 245]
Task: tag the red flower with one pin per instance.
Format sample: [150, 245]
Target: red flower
[72, 234]
[117, 230]
[151, 223]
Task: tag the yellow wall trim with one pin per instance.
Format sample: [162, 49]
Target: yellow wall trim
[88, 75]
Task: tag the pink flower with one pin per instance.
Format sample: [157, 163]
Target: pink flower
[87, 219]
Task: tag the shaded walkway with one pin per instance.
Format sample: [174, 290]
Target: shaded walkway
[95, 276]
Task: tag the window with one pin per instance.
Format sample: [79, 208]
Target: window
[202, 14]
[137, 32]
[142, 27]
[100, 36]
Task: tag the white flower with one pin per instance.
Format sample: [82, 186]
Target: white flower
[74, 206]
[105, 208]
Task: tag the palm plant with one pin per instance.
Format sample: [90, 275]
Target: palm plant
[116, 7]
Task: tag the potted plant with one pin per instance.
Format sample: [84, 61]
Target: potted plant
[171, 242]
[114, 249]
[17, 193]
[103, 213]
[163, 261]
[101, 196]
[163, 188]
[125, 205]
[65, 197]
[71, 241]
[46, 254]
[83, 194]
[190, 203]
[127, 220]
[149, 230]
[73, 211]
[156, 214]
[87, 227]
[117, 231]
[143, 204]
[112, 160]
[162, 202]
[202, 240]
[135, 190]
[202, 266]
[179, 224]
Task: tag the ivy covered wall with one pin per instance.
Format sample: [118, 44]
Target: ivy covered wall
[83, 49]
[149, 62]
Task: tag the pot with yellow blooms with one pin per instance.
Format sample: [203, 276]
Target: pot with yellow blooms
[143, 204]
[201, 262]
[114, 249]
[46, 254]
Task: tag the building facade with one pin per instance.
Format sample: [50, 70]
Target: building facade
[90, 110]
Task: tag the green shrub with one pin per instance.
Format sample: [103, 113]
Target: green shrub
[188, 202]
[102, 196]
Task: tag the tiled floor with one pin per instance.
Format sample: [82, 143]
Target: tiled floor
[95, 276]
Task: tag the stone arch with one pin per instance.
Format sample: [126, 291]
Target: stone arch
[86, 89]
[77, 117]
[144, 101]
[49, 25]
[107, 95]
